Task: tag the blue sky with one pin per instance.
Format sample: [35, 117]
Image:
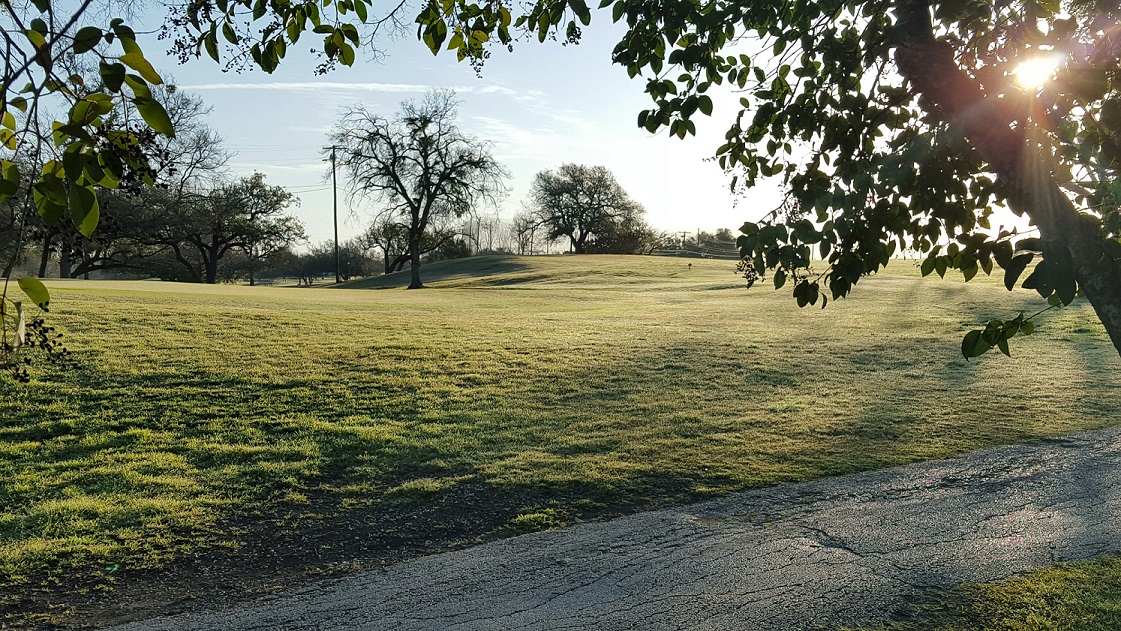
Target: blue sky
[541, 106]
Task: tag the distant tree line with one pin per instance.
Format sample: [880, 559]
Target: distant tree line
[187, 219]
[431, 180]
[432, 183]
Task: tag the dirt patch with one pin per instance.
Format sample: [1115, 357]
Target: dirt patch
[290, 547]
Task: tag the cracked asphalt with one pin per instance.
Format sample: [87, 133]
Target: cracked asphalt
[840, 550]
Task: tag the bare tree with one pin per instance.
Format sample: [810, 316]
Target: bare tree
[523, 230]
[419, 165]
[488, 234]
[391, 238]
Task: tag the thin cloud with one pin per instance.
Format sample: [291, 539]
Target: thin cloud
[318, 86]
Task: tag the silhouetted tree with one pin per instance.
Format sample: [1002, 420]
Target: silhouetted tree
[419, 166]
[579, 202]
[200, 229]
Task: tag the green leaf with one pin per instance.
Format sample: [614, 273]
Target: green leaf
[229, 34]
[52, 189]
[617, 11]
[36, 38]
[42, 5]
[36, 291]
[113, 75]
[1061, 266]
[137, 62]
[86, 39]
[580, 8]
[1027, 328]
[704, 103]
[927, 265]
[1041, 280]
[974, 345]
[9, 183]
[210, 42]
[1014, 268]
[84, 211]
[1002, 252]
[346, 54]
[139, 85]
[780, 278]
[155, 115]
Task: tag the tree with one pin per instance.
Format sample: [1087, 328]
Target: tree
[353, 261]
[419, 165]
[629, 235]
[523, 231]
[894, 124]
[580, 202]
[200, 229]
[391, 238]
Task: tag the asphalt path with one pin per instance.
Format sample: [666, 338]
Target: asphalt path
[840, 550]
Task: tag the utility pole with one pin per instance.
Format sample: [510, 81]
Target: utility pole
[335, 208]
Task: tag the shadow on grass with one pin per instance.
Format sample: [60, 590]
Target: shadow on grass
[478, 266]
[372, 466]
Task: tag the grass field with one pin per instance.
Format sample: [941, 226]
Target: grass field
[204, 422]
[1067, 597]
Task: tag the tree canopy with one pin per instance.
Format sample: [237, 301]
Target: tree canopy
[419, 167]
[581, 202]
[893, 124]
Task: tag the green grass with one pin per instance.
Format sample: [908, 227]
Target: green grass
[1067, 597]
[581, 381]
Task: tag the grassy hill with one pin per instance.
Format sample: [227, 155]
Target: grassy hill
[600, 271]
[268, 435]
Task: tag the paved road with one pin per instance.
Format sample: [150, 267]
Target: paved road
[799, 556]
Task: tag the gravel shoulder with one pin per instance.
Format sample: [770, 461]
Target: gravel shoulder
[834, 551]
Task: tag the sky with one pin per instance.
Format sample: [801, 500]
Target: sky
[541, 106]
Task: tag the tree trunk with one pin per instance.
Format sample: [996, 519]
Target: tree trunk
[930, 66]
[45, 254]
[64, 264]
[578, 245]
[414, 258]
[211, 270]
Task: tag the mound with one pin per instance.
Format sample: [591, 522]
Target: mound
[562, 270]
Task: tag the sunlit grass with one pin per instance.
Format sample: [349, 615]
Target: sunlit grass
[598, 381]
[1068, 597]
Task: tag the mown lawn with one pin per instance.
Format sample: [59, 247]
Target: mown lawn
[576, 385]
[1067, 597]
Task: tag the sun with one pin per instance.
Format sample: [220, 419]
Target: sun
[1036, 71]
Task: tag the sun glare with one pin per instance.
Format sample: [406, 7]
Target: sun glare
[1037, 71]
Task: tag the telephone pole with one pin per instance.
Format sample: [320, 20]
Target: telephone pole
[335, 209]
